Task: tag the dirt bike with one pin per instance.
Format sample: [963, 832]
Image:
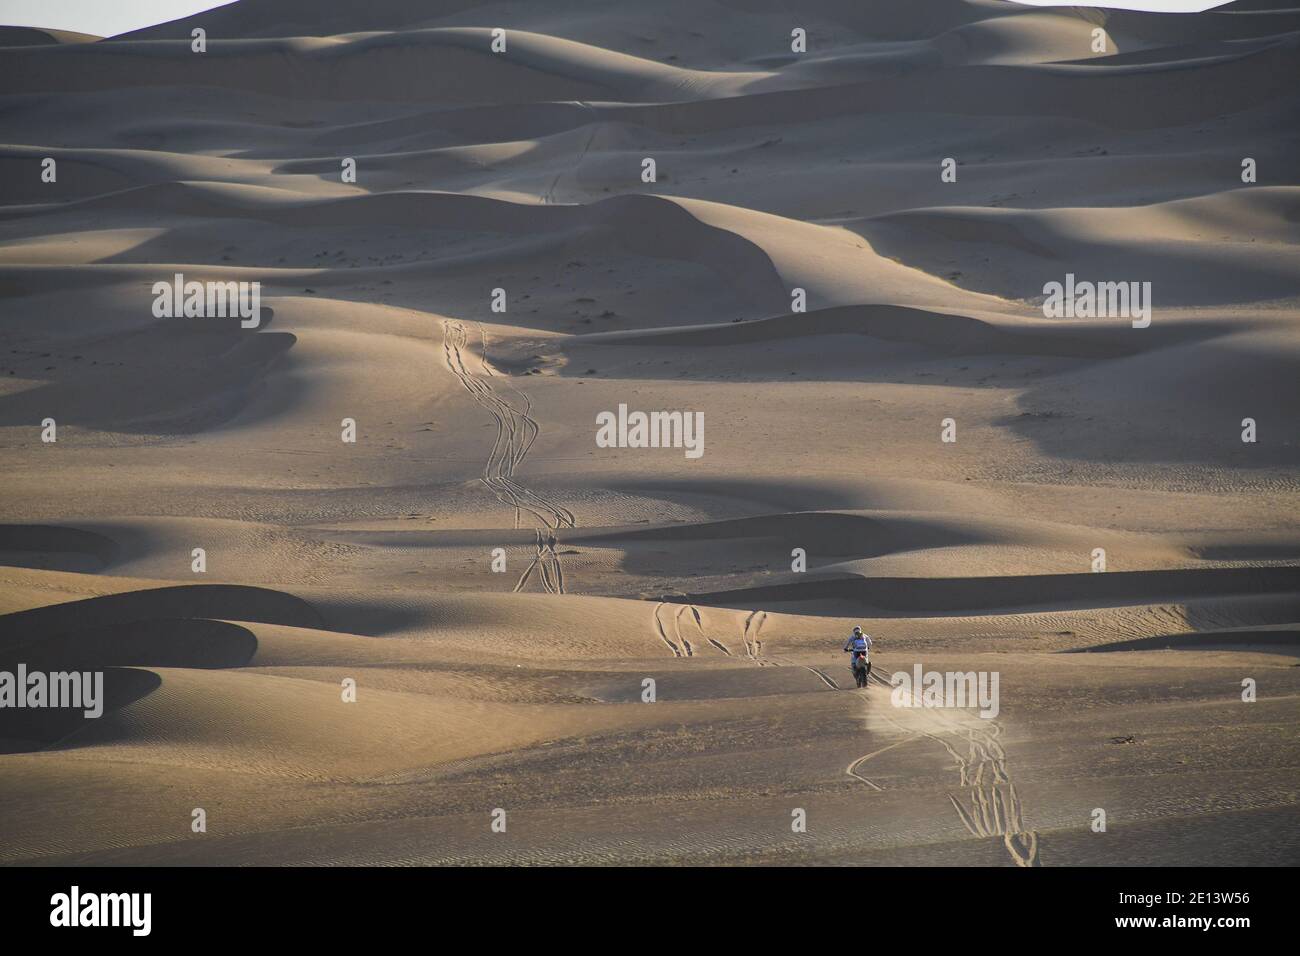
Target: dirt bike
[859, 665]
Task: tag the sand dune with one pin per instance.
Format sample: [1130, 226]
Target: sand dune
[501, 592]
[36, 36]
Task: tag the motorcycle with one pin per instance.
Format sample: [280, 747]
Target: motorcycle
[860, 671]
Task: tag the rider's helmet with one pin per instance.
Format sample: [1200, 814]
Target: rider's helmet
[857, 630]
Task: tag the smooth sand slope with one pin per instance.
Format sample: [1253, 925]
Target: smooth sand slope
[500, 587]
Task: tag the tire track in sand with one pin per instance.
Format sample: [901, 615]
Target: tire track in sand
[989, 805]
[663, 634]
[682, 647]
[677, 626]
[516, 430]
[548, 197]
[825, 678]
[749, 637]
[547, 563]
[699, 626]
[754, 649]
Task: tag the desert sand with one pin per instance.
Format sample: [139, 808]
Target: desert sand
[521, 687]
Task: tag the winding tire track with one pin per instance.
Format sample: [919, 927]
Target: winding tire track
[677, 626]
[682, 646]
[699, 627]
[548, 198]
[749, 637]
[754, 650]
[663, 635]
[516, 430]
[852, 768]
[989, 804]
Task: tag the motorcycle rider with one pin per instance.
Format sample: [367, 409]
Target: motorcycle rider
[859, 643]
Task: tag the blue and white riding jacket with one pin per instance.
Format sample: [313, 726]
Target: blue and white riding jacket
[860, 643]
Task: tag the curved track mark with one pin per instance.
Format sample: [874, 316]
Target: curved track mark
[516, 430]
